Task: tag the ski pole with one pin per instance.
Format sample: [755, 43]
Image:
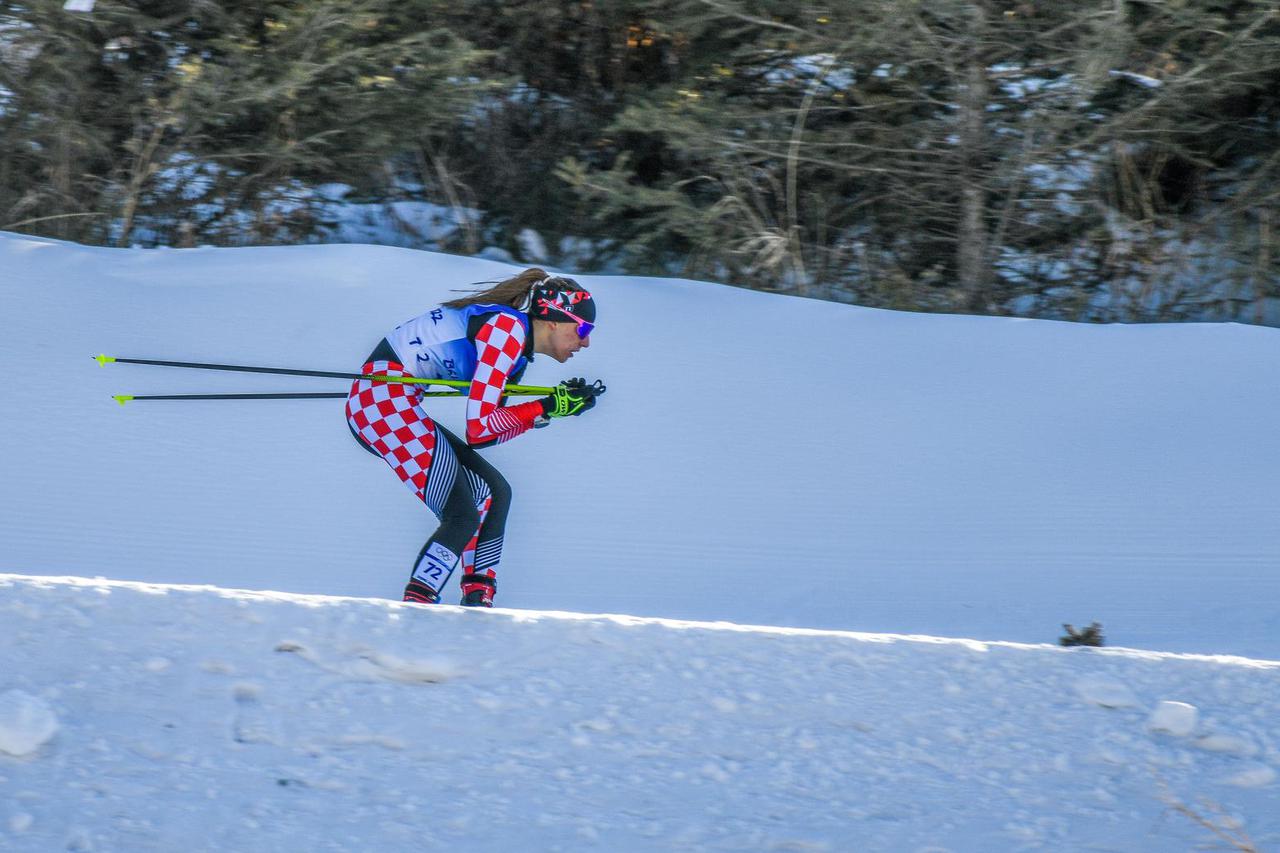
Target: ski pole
[513, 390]
[327, 395]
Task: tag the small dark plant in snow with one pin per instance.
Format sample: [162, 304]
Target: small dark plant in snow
[1090, 636]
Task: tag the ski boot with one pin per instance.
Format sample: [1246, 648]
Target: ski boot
[420, 593]
[478, 590]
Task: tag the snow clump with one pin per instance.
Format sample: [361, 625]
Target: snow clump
[1174, 718]
[26, 722]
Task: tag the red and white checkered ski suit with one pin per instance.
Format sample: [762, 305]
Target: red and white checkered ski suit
[490, 345]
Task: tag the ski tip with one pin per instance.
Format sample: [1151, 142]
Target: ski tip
[103, 360]
[122, 398]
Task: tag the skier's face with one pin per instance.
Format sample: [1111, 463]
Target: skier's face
[563, 341]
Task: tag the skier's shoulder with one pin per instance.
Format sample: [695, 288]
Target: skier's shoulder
[510, 320]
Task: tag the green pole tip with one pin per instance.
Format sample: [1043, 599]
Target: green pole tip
[103, 360]
[122, 398]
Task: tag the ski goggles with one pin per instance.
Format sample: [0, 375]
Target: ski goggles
[584, 326]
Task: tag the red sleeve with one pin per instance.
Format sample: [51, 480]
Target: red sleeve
[499, 343]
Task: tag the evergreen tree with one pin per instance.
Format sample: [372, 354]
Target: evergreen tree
[958, 155]
[997, 156]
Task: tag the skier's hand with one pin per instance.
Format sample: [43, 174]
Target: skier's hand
[572, 397]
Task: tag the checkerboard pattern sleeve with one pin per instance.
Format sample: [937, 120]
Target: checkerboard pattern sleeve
[499, 343]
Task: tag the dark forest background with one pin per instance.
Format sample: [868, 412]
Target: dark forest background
[1108, 160]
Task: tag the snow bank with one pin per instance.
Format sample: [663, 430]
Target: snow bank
[306, 723]
[759, 458]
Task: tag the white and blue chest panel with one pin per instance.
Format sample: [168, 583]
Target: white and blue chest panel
[436, 345]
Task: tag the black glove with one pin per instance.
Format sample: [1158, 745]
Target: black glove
[572, 397]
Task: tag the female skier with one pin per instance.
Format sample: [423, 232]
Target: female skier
[488, 338]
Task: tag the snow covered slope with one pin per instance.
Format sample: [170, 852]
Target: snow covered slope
[758, 458]
[153, 718]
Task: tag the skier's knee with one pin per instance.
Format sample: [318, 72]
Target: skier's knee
[500, 490]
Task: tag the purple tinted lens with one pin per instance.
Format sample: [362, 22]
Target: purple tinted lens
[584, 329]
